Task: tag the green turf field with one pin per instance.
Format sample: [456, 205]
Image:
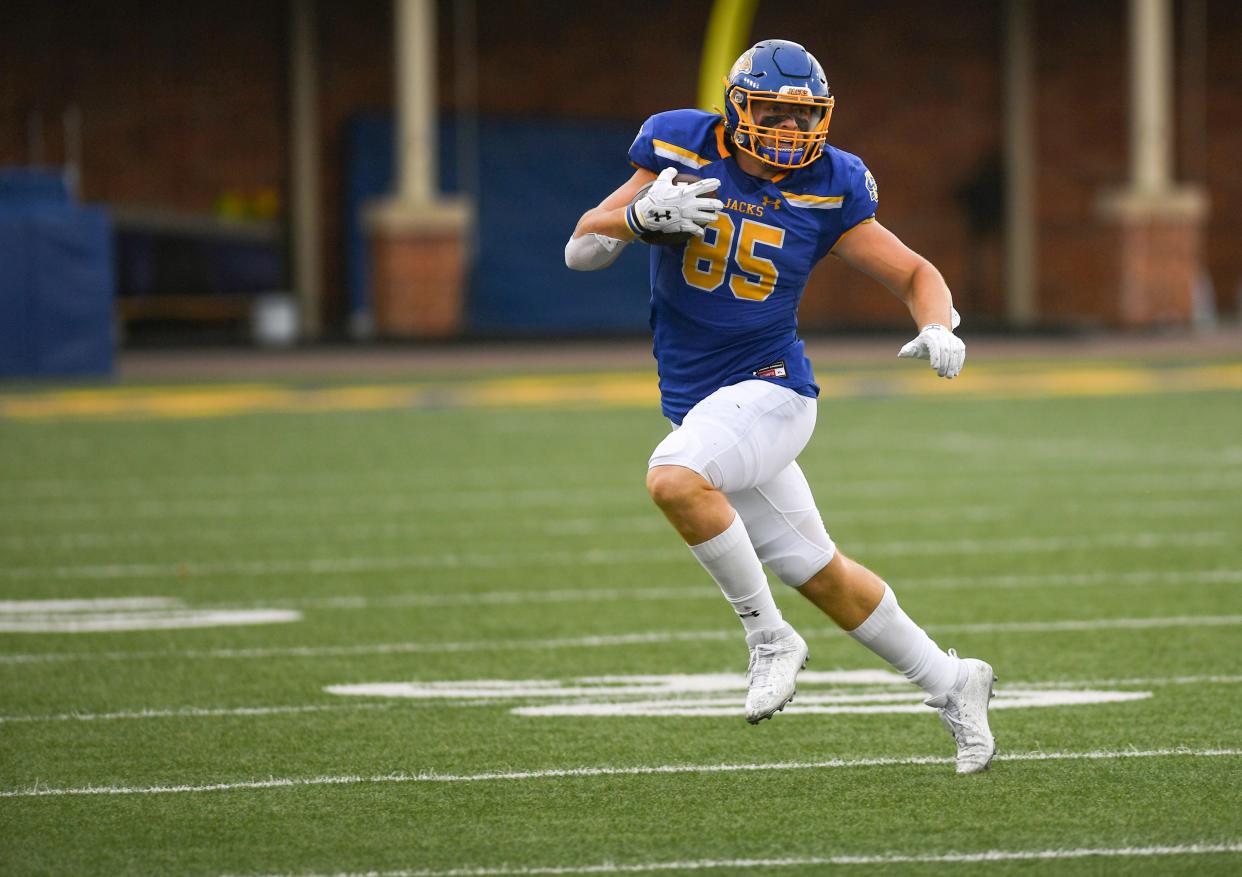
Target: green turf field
[566, 706]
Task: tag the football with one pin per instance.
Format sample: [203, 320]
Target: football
[661, 239]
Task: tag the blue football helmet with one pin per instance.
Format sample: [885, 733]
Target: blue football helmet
[774, 81]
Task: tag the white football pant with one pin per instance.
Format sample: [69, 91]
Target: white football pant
[744, 439]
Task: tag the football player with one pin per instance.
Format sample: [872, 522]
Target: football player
[773, 199]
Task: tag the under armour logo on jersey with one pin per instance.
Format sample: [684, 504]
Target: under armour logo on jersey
[774, 203]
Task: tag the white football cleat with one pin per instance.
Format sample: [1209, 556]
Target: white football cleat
[776, 656]
[964, 712]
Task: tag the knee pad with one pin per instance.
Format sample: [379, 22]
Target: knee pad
[786, 528]
[799, 549]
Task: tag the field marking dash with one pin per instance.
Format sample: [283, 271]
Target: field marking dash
[585, 772]
[803, 861]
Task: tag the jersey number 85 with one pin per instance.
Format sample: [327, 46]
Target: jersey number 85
[705, 264]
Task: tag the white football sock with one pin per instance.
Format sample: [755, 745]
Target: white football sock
[730, 559]
[889, 632]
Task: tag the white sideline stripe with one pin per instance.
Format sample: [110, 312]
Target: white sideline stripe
[605, 641]
[103, 604]
[590, 557]
[580, 772]
[803, 861]
[189, 712]
[124, 621]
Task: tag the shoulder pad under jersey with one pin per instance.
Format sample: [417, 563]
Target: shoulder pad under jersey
[683, 139]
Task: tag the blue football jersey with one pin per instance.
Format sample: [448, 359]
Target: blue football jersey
[724, 308]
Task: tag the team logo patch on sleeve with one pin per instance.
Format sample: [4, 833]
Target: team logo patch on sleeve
[872, 189]
[775, 370]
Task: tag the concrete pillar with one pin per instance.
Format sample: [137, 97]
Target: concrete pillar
[1021, 241]
[418, 238]
[1151, 89]
[304, 220]
[1157, 226]
[417, 125]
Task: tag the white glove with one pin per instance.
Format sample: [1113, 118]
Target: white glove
[670, 207]
[937, 344]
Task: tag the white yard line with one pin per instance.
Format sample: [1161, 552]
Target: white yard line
[584, 772]
[646, 522]
[190, 712]
[1133, 680]
[604, 641]
[972, 445]
[985, 513]
[317, 505]
[605, 595]
[350, 504]
[701, 592]
[1091, 624]
[1081, 579]
[1007, 450]
[591, 557]
[756, 865]
[92, 604]
[176, 619]
[588, 642]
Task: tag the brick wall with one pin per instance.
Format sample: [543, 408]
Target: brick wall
[179, 102]
[1223, 161]
[182, 102]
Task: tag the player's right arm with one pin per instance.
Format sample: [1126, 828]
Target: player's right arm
[602, 232]
[608, 218]
[667, 207]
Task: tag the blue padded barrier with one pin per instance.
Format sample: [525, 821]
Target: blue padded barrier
[57, 290]
[17, 343]
[29, 186]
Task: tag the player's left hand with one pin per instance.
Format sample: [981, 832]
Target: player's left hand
[945, 350]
